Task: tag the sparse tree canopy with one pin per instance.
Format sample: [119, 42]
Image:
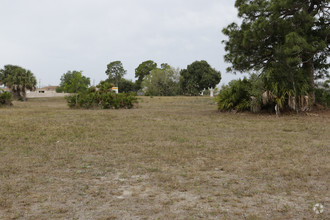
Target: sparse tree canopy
[73, 82]
[198, 76]
[18, 80]
[162, 82]
[286, 41]
[115, 72]
[143, 70]
[165, 66]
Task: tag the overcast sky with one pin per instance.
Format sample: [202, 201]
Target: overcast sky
[50, 37]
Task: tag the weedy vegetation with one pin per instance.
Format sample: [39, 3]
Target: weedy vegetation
[167, 158]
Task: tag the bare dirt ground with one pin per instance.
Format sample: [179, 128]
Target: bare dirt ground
[170, 158]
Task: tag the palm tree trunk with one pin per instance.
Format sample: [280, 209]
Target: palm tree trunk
[23, 94]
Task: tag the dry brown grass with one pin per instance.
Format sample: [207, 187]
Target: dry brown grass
[170, 158]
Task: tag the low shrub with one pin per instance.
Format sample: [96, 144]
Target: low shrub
[5, 98]
[101, 98]
[235, 96]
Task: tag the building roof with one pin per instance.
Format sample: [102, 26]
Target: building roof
[48, 88]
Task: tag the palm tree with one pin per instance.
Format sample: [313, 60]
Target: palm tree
[18, 80]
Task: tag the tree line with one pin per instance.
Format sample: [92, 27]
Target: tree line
[151, 79]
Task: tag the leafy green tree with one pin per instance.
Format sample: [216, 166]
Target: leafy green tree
[285, 41]
[59, 89]
[162, 82]
[165, 66]
[198, 76]
[73, 82]
[18, 80]
[143, 70]
[126, 86]
[115, 72]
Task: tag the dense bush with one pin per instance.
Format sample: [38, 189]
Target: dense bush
[241, 95]
[5, 98]
[236, 95]
[101, 97]
[322, 96]
[246, 94]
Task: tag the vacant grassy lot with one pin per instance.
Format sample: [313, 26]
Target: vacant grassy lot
[170, 158]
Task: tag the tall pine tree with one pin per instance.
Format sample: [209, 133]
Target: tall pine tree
[285, 41]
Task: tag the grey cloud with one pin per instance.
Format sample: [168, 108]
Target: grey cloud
[50, 37]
